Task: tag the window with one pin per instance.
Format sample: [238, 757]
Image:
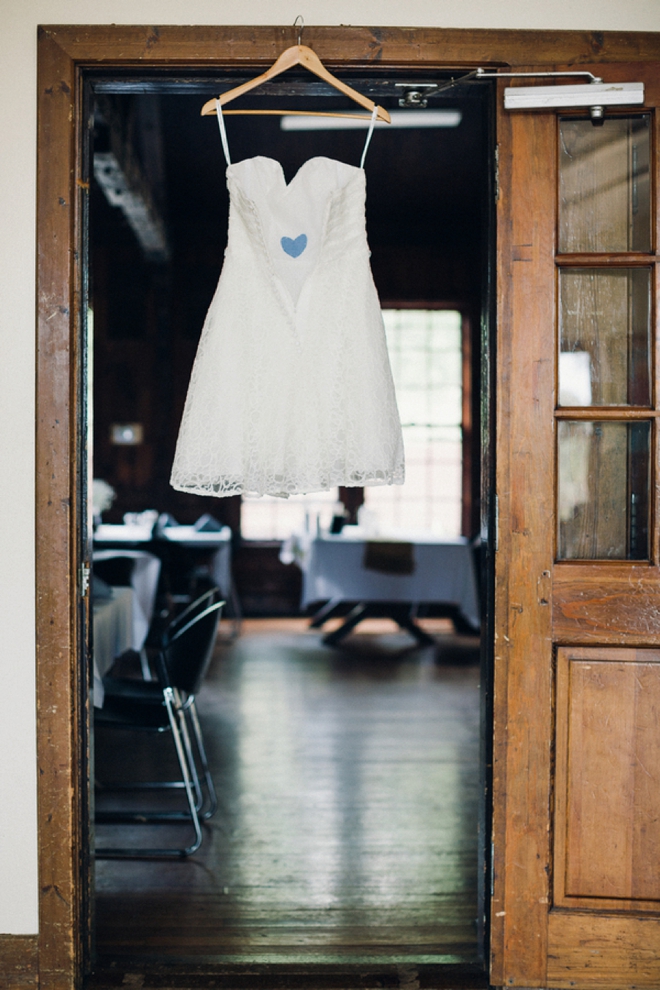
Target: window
[266, 517]
[426, 357]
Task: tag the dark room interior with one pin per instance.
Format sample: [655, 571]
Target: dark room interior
[251, 894]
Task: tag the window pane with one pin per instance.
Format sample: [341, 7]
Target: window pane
[604, 337]
[603, 490]
[265, 517]
[425, 354]
[604, 202]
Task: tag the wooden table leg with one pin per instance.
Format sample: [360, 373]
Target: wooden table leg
[356, 615]
[326, 612]
[403, 617]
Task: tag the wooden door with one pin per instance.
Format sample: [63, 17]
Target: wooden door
[576, 773]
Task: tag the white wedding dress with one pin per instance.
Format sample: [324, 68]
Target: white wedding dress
[291, 390]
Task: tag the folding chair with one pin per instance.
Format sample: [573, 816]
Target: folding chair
[182, 678]
[160, 708]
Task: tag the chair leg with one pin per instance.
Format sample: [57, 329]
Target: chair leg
[165, 785]
[192, 815]
[199, 741]
[185, 738]
[144, 665]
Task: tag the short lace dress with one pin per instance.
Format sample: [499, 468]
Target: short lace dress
[291, 390]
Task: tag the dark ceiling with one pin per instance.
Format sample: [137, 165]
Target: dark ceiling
[426, 188]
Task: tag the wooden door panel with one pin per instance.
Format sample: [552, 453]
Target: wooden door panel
[606, 603]
[588, 951]
[523, 666]
[577, 681]
[607, 803]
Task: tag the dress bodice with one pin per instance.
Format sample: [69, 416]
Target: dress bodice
[291, 220]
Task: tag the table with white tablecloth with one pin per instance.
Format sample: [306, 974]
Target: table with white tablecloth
[145, 572]
[126, 534]
[113, 633]
[218, 542]
[340, 568]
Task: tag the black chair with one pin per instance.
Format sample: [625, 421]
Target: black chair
[209, 597]
[163, 707]
[145, 691]
[118, 568]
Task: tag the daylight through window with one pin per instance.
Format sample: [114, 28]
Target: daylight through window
[425, 353]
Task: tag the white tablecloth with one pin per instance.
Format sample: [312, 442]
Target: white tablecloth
[333, 570]
[144, 581]
[129, 534]
[218, 541]
[113, 633]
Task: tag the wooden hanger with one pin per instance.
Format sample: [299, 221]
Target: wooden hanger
[297, 55]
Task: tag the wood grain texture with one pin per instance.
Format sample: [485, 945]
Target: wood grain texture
[407, 47]
[525, 485]
[591, 952]
[654, 514]
[607, 810]
[19, 962]
[501, 644]
[58, 721]
[606, 603]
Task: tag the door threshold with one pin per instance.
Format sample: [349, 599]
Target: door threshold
[179, 974]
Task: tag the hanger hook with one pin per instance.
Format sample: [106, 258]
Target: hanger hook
[300, 26]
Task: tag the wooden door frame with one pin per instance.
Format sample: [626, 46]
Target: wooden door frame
[65, 53]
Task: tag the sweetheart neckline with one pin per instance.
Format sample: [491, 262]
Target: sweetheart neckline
[280, 167]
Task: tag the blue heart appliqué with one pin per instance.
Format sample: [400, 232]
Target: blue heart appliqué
[294, 246]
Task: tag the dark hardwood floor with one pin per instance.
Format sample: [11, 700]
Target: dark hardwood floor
[347, 827]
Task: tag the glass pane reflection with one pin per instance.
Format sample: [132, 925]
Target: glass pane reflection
[604, 337]
[604, 202]
[603, 490]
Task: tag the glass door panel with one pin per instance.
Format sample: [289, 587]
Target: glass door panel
[604, 194]
[604, 337]
[603, 490]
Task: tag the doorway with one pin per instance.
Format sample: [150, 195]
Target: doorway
[531, 941]
[428, 221]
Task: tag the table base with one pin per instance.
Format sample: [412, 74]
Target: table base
[403, 613]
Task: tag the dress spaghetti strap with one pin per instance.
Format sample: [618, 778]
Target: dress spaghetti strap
[369, 133]
[223, 132]
[225, 144]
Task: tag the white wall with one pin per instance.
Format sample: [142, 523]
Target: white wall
[18, 24]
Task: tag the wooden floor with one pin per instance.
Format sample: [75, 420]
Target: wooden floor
[347, 827]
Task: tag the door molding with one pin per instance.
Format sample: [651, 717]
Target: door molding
[65, 55]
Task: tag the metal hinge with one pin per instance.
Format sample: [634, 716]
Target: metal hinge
[492, 868]
[85, 574]
[496, 523]
[496, 175]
